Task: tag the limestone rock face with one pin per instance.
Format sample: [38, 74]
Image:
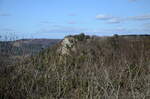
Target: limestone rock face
[67, 44]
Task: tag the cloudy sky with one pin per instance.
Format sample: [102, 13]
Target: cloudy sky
[57, 18]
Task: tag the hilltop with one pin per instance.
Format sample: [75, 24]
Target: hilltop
[84, 67]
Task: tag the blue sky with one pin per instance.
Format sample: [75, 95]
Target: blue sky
[57, 18]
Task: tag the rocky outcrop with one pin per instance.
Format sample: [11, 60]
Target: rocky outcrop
[69, 42]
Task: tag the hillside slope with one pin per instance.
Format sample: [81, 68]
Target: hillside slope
[26, 46]
[11, 51]
[83, 67]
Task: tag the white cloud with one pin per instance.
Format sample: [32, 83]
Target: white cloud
[114, 21]
[103, 17]
[109, 19]
[141, 17]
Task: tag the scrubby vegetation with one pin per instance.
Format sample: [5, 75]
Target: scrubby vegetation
[116, 67]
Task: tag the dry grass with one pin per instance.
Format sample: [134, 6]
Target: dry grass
[110, 68]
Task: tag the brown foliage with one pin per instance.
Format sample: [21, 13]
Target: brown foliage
[101, 67]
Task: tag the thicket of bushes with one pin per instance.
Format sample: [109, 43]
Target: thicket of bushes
[100, 68]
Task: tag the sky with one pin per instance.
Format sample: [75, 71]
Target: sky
[58, 18]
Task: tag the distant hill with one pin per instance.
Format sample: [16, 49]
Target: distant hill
[14, 50]
[27, 45]
[34, 45]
